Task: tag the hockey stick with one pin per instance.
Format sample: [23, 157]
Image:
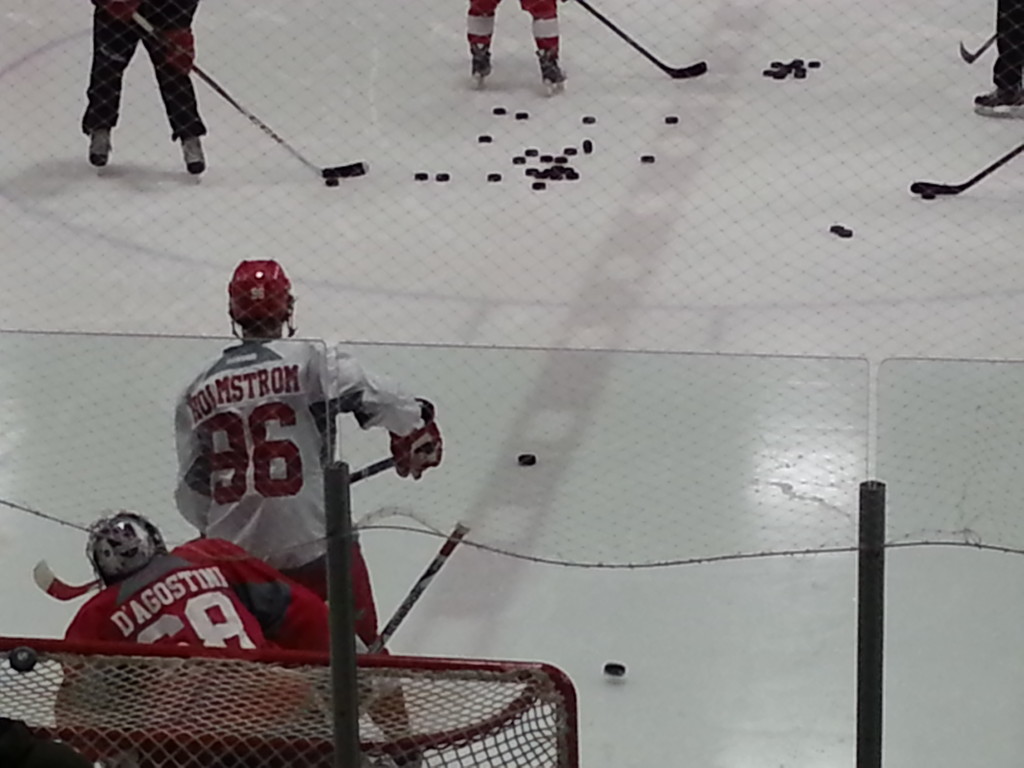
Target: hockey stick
[48, 581]
[346, 171]
[456, 536]
[969, 57]
[693, 70]
[933, 188]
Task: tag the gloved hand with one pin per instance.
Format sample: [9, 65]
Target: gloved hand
[179, 49]
[121, 10]
[421, 449]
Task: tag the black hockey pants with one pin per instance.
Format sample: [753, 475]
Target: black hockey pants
[113, 44]
[1010, 41]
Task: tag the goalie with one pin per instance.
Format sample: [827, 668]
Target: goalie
[206, 592]
[209, 593]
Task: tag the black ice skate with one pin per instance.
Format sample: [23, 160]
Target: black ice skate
[99, 147]
[481, 63]
[192, 152]
[550, 72]
[1002, 102]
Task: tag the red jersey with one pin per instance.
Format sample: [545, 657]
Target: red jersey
[210, 593]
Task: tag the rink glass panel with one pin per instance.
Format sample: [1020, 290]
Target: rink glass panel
[641, 458]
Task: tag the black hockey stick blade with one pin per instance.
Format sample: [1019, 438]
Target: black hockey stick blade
[969, 57]
[932, 188]
[349, 171]
[681, 73]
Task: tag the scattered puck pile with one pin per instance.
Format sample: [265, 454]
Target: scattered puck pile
[542, 167]
[778, 70]
[840, 231]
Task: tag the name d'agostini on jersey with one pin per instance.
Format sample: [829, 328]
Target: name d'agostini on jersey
[236, 387]
[168, 590]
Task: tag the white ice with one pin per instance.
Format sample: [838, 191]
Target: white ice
[721, 246]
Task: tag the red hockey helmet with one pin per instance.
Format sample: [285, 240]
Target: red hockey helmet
[260, 292]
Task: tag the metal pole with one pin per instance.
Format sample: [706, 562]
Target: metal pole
[870, 624]
[344, 684]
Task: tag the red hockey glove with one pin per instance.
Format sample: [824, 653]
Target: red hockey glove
[421, 449]
[179, 49]
[121, 10]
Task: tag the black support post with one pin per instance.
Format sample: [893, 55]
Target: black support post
[870, 624]
[345, 696]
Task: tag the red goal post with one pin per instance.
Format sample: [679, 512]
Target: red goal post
[174, 707]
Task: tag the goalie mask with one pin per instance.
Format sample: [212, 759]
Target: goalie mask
[260, 295]
[121, 545]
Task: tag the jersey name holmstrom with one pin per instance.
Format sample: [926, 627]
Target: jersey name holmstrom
[141, 608]
[236, 387]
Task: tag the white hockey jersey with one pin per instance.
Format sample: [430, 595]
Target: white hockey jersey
[253, 432]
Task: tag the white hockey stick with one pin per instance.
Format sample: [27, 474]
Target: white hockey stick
[55, 587]
[456, 536]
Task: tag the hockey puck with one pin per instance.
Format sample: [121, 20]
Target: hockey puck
[800, 74]
[518, 160]
[500, 111]
[485, 139]
[570, 151]
[672, 120]
[494, 177]
[522, 115]
[780, 74]
[647, 159]
[532, 171]
[539, 185]
[547, 158]
[813, 64]
[927, 196]
[840, 231]
[797, 63]
[332, 182]
[589, 119]
[22, 659]
[571, 174]
[561, 159]
[773, 72]
[532, 152]
[442, 177]
[588, 146]
[777, 65]
[526, 459]
[614, 669]
[556, 172]
[421, 176]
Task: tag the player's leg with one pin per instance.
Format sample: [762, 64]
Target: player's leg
[172, 62]
[545, 35]
[1008, 98]
[313, 576]
[113, 43]
[479, 32]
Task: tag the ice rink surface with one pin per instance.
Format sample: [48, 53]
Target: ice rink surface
[721, 246]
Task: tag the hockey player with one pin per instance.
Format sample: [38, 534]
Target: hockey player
[255, 427]
[1007, 100]
[20, 748]
[115, 37]
[480, 28]
[206, 592]
[209, 593]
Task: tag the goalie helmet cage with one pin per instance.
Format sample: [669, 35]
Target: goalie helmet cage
[175, 707]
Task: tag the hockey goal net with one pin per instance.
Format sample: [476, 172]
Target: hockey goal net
[155, 707]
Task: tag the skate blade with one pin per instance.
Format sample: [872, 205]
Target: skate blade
[1004, 113]
[478, 82]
